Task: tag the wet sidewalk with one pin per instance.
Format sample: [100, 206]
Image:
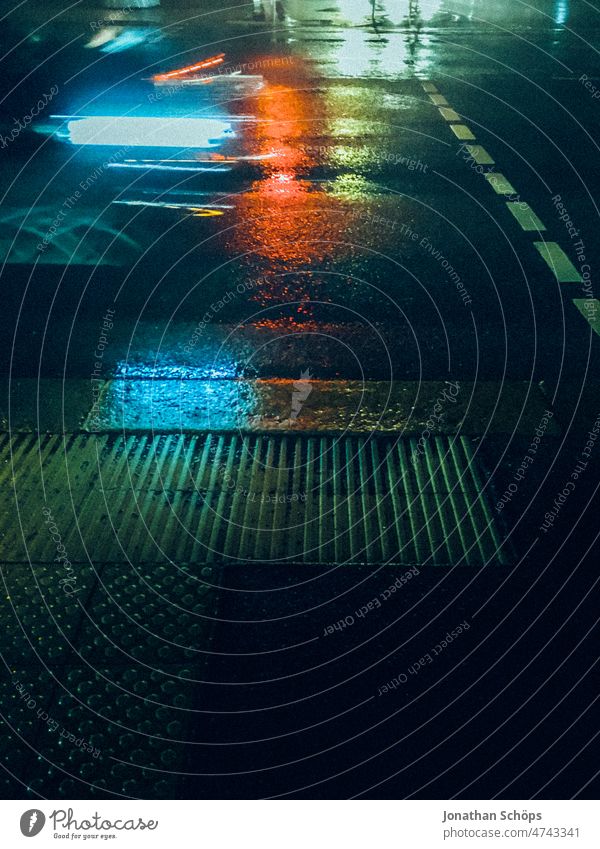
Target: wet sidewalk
[302, 405]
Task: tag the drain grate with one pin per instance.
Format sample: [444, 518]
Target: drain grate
[222, 497]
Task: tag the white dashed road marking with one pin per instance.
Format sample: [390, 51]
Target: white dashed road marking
[590, 309]
[462, 132]
[526, 216]
[559, 263]
[551, 252]
[500, 184]
[479, 154]
[449, 114]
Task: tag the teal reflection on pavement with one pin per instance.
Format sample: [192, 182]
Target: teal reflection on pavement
[175, 405]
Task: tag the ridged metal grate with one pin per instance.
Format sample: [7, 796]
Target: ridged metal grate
[223, 497]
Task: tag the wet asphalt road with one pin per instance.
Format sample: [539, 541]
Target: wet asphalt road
[363, 244]
[343, 231]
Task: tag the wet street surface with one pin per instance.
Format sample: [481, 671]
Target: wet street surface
[300, 398]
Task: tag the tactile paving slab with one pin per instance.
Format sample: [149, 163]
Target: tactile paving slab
[102, 693]
[145, 498]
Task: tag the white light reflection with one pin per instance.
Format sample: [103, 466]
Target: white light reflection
[148, 132]
[357, 12]
[204, 211]
[217, 169]
[354, 11]
[114, 39]
[104, 36]
[363, 54]
[561, 13]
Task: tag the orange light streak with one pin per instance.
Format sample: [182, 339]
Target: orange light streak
[189, 69]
